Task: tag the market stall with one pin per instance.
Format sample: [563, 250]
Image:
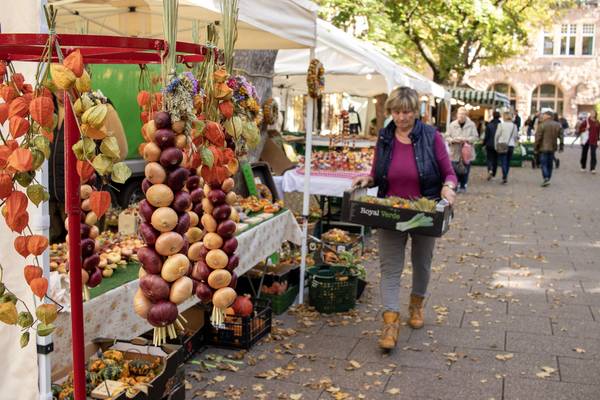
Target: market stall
[352, 67]
[107, 317]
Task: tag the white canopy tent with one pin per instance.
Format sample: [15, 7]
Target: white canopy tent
[351, 66]
[263, 24]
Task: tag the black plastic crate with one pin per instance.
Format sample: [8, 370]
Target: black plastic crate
[242, 332]
[378, 216]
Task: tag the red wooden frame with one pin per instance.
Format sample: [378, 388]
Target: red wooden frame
[96, 49]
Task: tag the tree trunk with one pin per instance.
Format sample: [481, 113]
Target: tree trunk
[258, 66]
[380, 111]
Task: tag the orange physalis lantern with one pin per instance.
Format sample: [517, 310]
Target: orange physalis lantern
[6, 186]
[31, 272]
[18, 79]
[18, 126]
[19, 106]
[84, 170]
[37, 244]
[42, 111]
[143, 98]
[3, 113]
[39, 287]
[21, 246]
[74, 62]
[8, 93]
[20, 160]
[99, 202]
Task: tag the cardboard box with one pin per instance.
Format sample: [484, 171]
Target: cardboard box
[128, 223]
[171, 376]
[192, 339]
[275, 156]
[378, 216]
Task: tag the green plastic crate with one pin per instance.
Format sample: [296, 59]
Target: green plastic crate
[327, 293]
[280, 303]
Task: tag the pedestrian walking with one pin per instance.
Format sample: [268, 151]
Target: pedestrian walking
[490, 145]
[461, 135]
[546, 137]
[589, 130]
[411, 161]
[562, 138]
[505, 140]
[517, 120]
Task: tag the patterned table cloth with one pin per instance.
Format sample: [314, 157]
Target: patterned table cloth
[111, 314]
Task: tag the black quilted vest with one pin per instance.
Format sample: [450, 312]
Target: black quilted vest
[422, 137]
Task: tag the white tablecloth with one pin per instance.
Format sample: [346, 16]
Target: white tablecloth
[111, 314]
[319, 185]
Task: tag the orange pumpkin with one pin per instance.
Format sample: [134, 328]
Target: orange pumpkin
[39, 287]
[19, 106]
[32, 272]
[37, 244]
[42, 111]
[74, 62]
[20, 244]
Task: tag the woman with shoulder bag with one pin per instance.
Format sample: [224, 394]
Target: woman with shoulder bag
[411, 161]
[461, 135]
[505, 141]
[590, 131]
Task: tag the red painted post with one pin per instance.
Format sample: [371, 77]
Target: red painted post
[72, 209]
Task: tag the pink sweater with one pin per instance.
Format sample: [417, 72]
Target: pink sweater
[403, 176]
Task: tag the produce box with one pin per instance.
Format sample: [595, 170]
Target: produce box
[242, 332]
[386, 217]
[168, 379]
[281, 302]
[192, 339]
[342, 242]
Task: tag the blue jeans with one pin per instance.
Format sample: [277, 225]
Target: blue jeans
[463, 179]
[505, 161]
[547, 163]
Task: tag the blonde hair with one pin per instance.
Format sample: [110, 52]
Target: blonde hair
[462, 109]
[507, 116]
[402, 99]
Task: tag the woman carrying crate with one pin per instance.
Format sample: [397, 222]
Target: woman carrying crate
[411, 161]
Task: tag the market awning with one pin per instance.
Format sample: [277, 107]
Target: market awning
[263, 24]
[480, 97]
[351, 65]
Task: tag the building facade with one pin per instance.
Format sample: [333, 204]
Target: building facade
[560, 70]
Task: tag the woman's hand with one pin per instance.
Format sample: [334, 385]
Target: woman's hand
[448, 194]
[362, 182]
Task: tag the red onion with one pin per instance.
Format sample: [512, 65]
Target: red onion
[150, 259]
[162, 313]
[162, 120]
[204, 292]
[95, 278]
[154, 287]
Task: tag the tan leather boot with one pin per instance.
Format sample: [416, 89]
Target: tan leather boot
[390, 331]
[415, 310]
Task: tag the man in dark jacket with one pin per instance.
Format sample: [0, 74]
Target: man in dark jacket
[517, 120]
[546, 137]
[490, 147]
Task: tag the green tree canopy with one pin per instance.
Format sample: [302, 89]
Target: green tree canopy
[446, 35]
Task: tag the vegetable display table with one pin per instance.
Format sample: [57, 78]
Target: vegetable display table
[105, 317]
[321, 184]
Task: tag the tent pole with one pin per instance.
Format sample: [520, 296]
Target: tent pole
[73, 213]
[309, 121]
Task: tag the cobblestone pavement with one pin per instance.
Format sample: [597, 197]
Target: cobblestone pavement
[513, 311]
